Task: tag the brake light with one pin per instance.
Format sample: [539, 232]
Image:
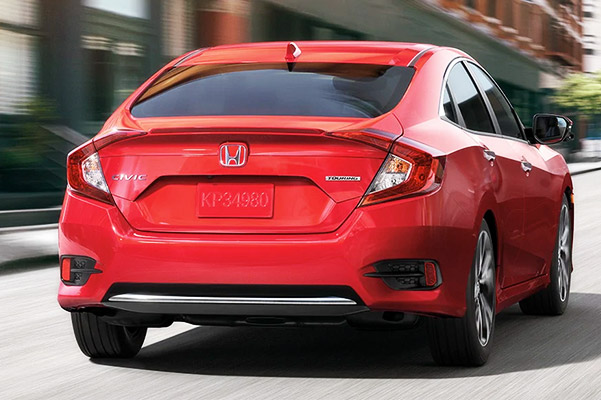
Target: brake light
[373, 137]
[406, 172]
[430, 274]
[116, 136]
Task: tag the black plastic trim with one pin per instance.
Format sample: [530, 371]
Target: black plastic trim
[83, 273]
[384, 272]
[237, 309]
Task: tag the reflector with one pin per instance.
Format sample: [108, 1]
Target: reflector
[66, 269]
[430, 274]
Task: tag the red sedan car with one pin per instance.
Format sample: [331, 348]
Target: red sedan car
[368, 183]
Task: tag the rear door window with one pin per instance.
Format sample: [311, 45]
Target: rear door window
[468, 99]
[302, 89]
[505, 116]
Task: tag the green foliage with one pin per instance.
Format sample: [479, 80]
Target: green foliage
[581, 93]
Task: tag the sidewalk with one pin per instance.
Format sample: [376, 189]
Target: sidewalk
[582, 167]
[41, 241]
[31, 242]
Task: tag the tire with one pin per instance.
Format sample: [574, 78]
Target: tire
[467, 341]
[97, 339]
[553, 299]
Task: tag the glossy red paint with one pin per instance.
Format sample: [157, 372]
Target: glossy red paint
[318, 235]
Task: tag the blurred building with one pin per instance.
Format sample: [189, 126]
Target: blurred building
[66, 65]
[19, 29]
[591, 146]
[88, 55]
[592, 35]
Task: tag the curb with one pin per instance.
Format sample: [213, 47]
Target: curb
[584, 171]
[30, 263]
[13, 229]
[21, 251]
[20, 218]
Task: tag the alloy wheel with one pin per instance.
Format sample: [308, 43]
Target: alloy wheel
[563, 255]
[484, 288]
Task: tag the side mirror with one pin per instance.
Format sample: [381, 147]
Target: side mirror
[550, 128]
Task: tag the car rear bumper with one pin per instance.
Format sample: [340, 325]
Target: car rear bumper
[414, 228]
[234, 300]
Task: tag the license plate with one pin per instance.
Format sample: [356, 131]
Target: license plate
[235, 200]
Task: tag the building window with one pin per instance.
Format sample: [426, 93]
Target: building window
[588, 14]
[17, 75]
[116, 68]
[19, 12]
[18, 50]
[286, 25]
[589, 52]
[492, 8]
[178, 28]
[130, 8]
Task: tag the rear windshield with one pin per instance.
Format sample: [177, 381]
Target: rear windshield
[304, 89]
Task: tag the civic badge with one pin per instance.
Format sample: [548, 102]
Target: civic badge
[233, 154]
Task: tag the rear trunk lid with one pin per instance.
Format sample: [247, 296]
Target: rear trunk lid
[297, 178]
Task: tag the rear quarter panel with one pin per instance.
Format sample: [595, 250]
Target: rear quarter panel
[467, 191]
[469, 182]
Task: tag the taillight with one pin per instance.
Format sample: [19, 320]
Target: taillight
[84, 170]
[84, 174]
[115, 136]
[373, 137]
[406, 171]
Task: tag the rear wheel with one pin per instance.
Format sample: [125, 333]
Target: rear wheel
[97, 339]
[467, 340]
[553, 300]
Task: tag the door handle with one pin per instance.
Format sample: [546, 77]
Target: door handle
[526, 166]
[489, 155]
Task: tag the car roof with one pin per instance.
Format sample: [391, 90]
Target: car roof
[360, 52]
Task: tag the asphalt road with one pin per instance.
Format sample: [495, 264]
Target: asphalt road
[533, 357]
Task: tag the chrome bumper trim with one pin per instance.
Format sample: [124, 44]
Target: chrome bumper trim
[306, 301]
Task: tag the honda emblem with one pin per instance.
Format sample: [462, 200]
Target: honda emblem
[233, 154]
